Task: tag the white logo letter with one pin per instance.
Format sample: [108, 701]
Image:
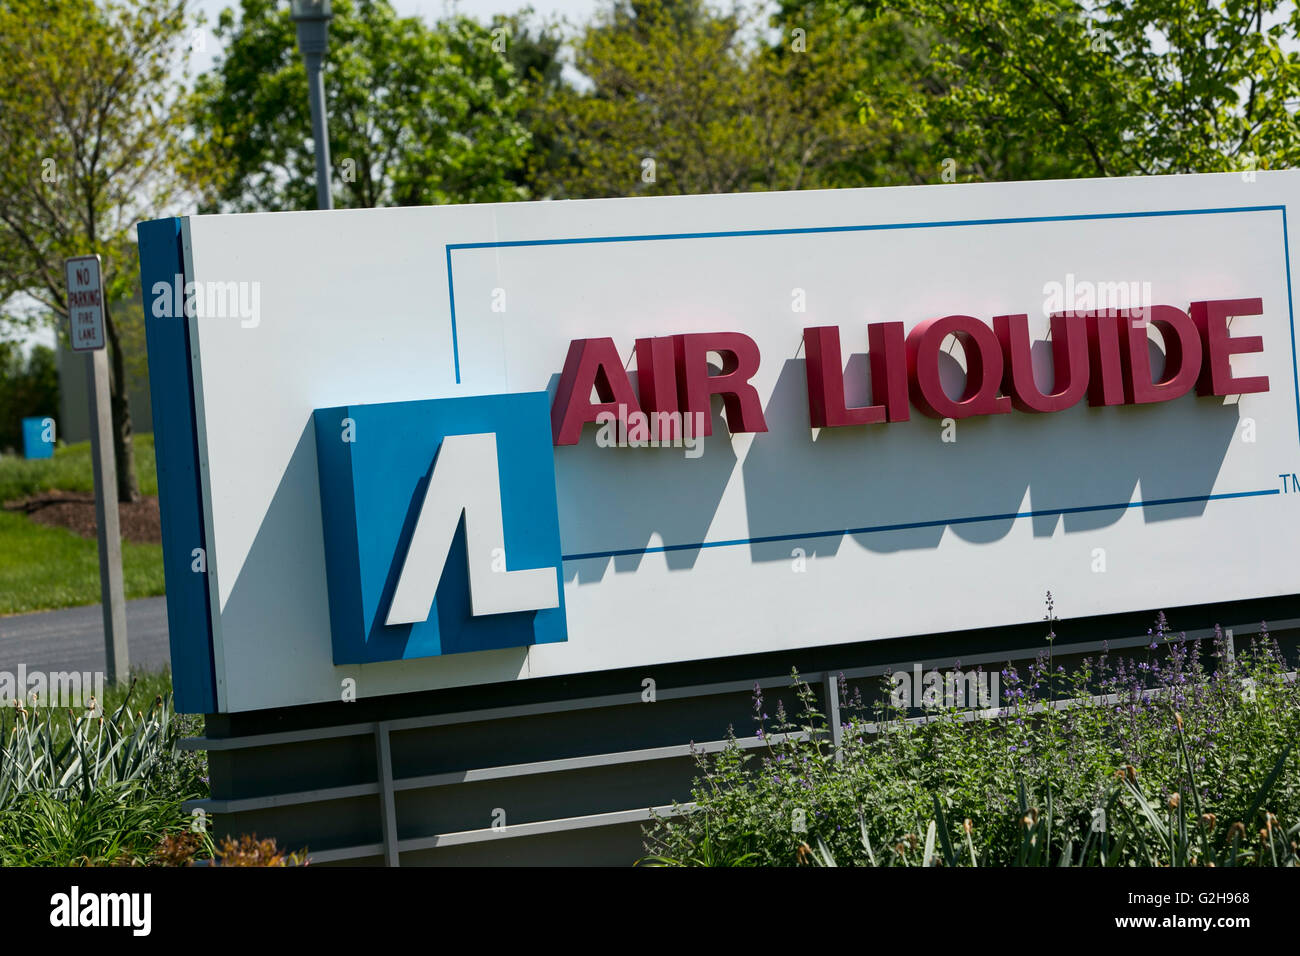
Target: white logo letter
[465, 480]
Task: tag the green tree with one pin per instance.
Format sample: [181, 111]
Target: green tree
[534, 52]
[89, 128]
[685, 99]
[1025, 89]
[877, 66]
[27, 389]
[417, 114]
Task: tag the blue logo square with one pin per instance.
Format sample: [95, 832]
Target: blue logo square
[376, 463]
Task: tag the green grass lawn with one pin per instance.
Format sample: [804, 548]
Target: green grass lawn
[69, 470]
[43, 568]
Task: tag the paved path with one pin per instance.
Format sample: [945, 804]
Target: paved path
[73, 639]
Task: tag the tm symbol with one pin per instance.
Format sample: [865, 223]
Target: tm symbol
[1290, 483]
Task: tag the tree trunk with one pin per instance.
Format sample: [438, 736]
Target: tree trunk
[128, 488]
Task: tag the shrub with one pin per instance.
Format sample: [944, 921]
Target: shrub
[94, 789]
[1162, 760]
[250, 851]
[117, 826]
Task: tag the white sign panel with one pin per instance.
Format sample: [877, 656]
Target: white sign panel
[85, 303]
[968, 395]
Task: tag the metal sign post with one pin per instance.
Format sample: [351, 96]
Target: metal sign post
[86, 329]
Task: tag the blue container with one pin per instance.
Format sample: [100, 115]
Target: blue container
[38, 437]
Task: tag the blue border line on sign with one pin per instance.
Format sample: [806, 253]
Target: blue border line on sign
[451, 295]
[1286, 257]
[916, 524]
[815, 230]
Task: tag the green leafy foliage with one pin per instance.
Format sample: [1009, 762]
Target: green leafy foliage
[80, 789]
[106, 827]
[1062, 89]
[91, 132]
[1162, 760]
[418, 114]
[88, 128]
[684, 98]
[28, 388]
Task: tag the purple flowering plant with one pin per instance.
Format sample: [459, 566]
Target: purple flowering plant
[1106, 762]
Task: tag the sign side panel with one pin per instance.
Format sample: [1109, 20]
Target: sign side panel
[191, 315]
[180, 501]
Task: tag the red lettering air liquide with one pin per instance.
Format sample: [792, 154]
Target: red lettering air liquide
[1100, 354]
